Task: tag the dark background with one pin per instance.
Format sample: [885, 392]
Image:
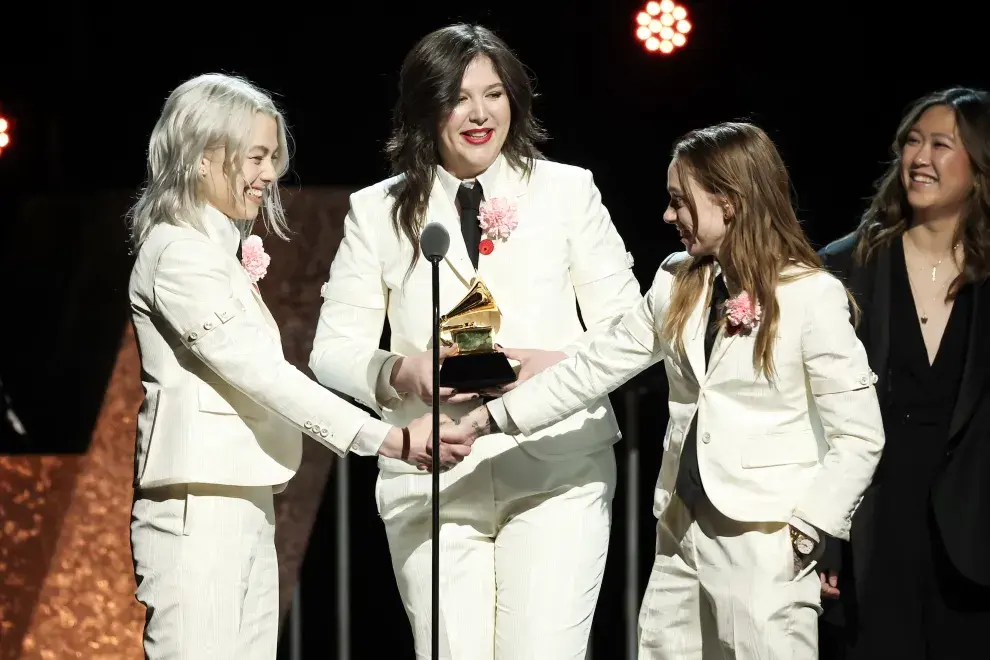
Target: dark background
[83, 83]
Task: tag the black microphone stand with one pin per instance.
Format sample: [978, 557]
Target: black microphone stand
[435, 536]
[434, 241]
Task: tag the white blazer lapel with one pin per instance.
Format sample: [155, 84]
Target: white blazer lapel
[442, 210]
[256, 293]
[694, 337]
[264, 308]
[509, 184]
[727, 340]
[721, 347]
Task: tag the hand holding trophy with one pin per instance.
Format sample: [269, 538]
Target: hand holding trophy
[471, 326]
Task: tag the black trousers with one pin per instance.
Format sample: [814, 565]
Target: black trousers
[916, 606]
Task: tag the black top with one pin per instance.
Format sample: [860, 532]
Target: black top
[920, 393]
[917, 407]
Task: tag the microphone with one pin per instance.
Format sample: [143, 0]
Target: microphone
[434, 241]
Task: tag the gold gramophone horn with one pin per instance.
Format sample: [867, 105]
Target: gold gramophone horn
[476, 311]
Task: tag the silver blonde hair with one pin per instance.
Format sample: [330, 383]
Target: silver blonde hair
[208, 112]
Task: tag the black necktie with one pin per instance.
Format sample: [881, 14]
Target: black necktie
[719, 295]
[469, 197]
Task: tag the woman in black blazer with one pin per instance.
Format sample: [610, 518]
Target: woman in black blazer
[915, 581]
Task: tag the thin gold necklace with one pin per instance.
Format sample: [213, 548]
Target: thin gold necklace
[923, 316]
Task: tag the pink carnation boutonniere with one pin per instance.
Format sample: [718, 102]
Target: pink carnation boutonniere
[254, 258]
[742, 313]
[497, 217]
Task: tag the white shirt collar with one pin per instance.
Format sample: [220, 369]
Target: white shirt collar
[221, 229]
[451, 184]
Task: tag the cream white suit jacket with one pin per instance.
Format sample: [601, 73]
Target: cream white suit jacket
[222, 405]
[805, 447]
[565, 251]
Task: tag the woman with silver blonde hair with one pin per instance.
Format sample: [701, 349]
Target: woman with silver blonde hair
[219, 430]
[202, 114]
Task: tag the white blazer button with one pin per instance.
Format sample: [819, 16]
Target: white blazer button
[316, 428]
[324, 432]
[308, 424]
[208, 325]
[864, 380]
[706, 438]
[193, 335]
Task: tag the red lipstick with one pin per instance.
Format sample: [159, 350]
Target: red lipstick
[478, 136]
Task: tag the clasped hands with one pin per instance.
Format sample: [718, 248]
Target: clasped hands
[457, 437]
[413, 375]
[414, 444]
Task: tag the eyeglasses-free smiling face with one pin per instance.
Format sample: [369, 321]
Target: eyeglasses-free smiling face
[701, 235]
[472, 136]
[242, 197]
[935, 169]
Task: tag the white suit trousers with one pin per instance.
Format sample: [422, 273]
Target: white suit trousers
[727, 590]
[523, 544]
[204, 559]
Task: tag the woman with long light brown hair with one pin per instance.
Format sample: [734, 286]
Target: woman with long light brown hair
[774, 428]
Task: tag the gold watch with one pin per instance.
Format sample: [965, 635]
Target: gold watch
[803, 544]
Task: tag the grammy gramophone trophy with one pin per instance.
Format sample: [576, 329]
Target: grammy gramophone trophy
[472, 325]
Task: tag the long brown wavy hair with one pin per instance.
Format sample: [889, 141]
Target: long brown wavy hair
[429, 86]
[739, 164]
[889, 214]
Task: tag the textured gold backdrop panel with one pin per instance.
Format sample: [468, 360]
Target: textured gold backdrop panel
[86, 607]
[34, 495]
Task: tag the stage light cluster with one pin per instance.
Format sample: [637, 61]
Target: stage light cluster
[4, 133]
[663, 26]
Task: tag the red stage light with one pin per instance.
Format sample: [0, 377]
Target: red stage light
[662, 27]
[4, 134]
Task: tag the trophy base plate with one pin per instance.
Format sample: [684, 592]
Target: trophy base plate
[474, 372]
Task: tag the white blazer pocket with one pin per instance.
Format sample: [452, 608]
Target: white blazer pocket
[775, 449]
[231, 403]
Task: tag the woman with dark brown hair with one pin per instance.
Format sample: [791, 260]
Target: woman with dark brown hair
[774, 428]
[525, 523]
[915, 582]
